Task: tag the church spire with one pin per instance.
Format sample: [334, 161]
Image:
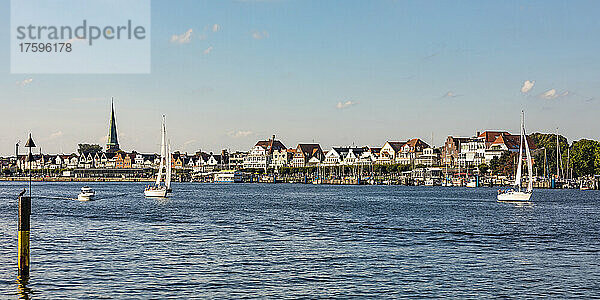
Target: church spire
[112, 144]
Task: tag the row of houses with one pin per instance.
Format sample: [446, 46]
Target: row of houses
[456, 152]
[272, 153]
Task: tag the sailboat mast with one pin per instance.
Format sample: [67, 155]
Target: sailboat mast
[529, 160]
[557, 156]
[520, 162]
[162, 153]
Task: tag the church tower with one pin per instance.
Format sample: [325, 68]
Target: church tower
[112, 144]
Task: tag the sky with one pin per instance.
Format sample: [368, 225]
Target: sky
[228, 73]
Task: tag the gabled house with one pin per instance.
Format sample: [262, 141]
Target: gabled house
[261, 155]
[344, 156]
[307, 154]
[504, 143]
[370, 156]
[410, 150]
[390, 152]
[451, 150]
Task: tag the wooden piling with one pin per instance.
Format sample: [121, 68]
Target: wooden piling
[23, 237]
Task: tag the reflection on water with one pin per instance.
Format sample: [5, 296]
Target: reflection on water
[302, 241]
[23, 291]
[518, 203]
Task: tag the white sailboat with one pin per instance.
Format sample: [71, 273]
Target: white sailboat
[159, 189]
[516, 194]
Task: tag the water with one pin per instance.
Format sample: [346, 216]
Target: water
[239, 240]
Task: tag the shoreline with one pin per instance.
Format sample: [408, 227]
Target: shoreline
[63, 179]
[146, 180]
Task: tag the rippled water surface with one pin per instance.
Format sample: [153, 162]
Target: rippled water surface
[242, 240]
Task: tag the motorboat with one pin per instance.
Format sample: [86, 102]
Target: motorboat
[86, 194]
[472, 183]
[585, 186]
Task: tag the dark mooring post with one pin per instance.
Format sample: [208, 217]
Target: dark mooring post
[23, 236]
[24, 222]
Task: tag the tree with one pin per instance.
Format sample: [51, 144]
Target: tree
[597, 160]
[583, 157]
[483, 168]
[548, 141]
[89, 148]
[505, 164]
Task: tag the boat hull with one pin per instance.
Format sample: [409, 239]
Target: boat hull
[156, 193]
[85, 197]
[514, 196]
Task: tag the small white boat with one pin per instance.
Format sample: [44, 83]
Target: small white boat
[516, 194]
[87, 194]
[472, 183]
[585, 186]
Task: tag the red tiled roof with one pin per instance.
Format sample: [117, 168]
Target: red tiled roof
[490, 136]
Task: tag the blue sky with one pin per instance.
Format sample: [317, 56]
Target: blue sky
[333, 72]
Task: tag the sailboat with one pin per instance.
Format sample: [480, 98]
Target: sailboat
[159, 189]
[516, 194]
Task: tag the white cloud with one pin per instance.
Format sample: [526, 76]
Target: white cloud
[102, 140]
[25, 82]
[451, 94]
[553, 94]
[527, 86]
[208, 50]
[549, 94]
[342, 105]
[189, 142]
[55, 135]
[183, 38]
[239, 133]
[259, 35]
[216, 27]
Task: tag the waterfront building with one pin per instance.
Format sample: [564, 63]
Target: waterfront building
[451, 150]
[307, 155]
[261, 155]
[389, 152]
[409, 151]
[236, 160]
[370, 156]
[472, 152]
[482, 148]
[347, 156]
[429, 157]
[214, 162]
[505, 142]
